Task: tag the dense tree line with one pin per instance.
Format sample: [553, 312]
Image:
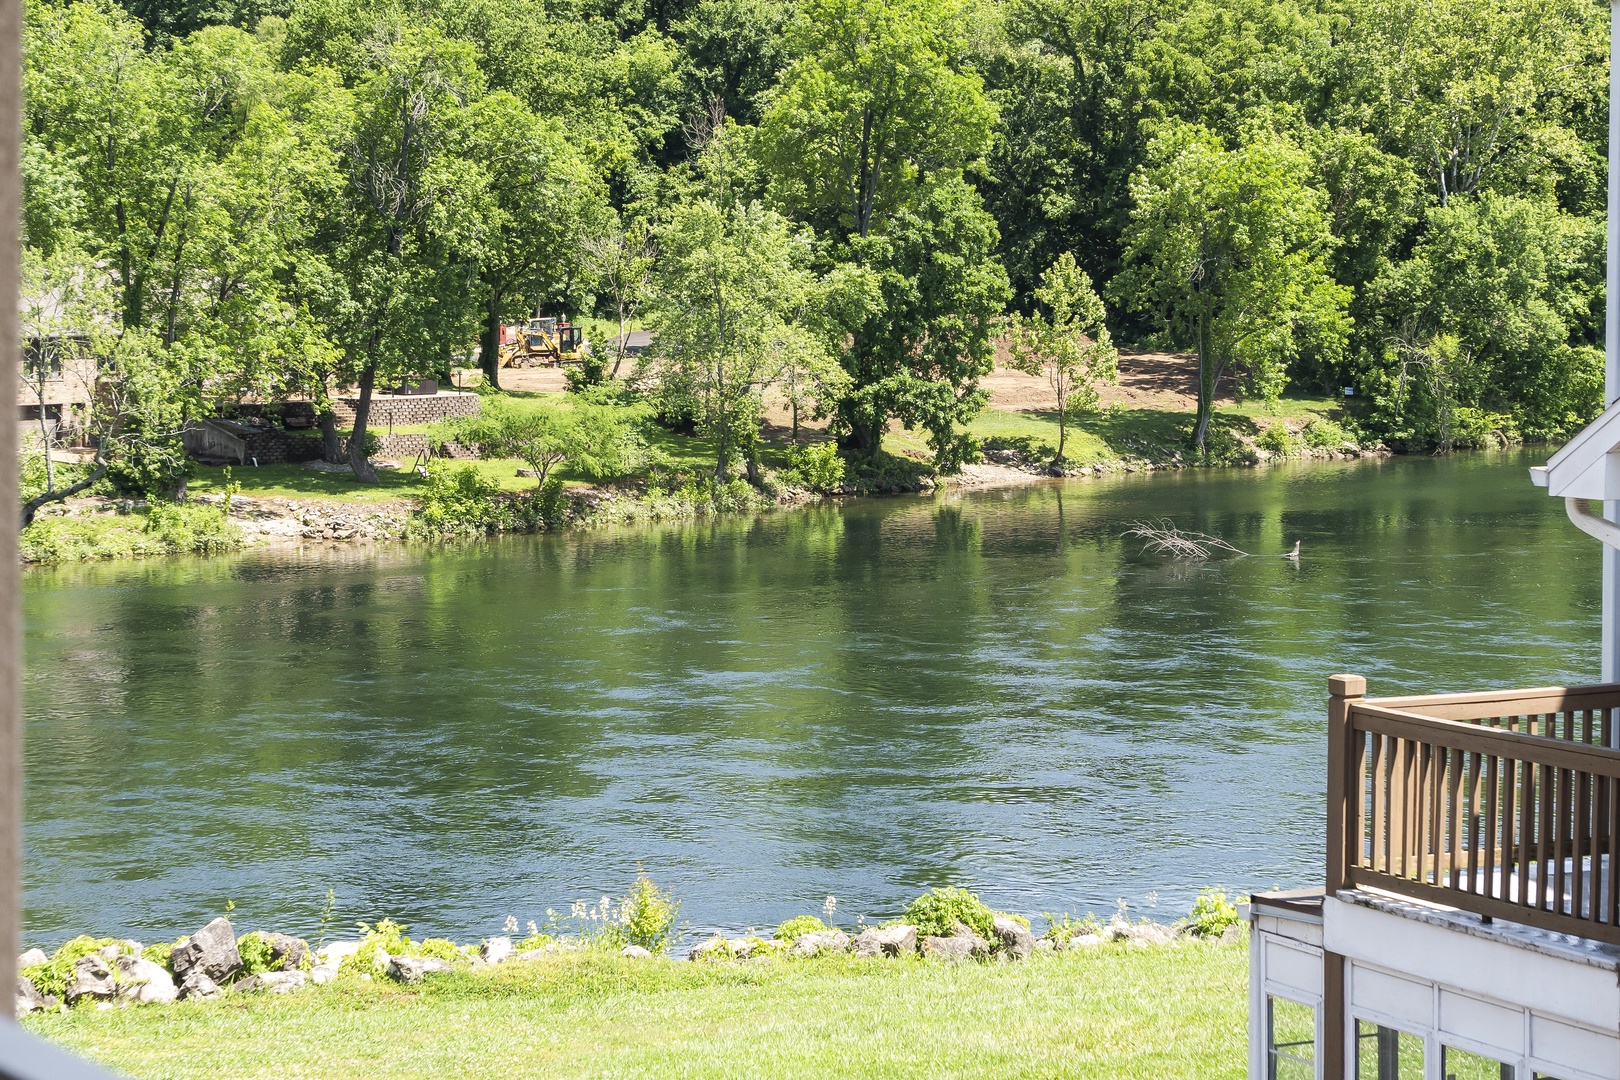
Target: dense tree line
[838, 200]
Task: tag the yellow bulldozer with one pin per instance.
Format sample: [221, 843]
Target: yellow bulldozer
[547, 341]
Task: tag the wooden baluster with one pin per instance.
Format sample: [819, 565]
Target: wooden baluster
[1495, 811]
[1355, 834]
[1546, 788]
[1527, 831]
[1479, 826]
[1380, 804]
[1581, 843]
[1399, 792]
[1597, 793]
[1435, 819]
[1458, 813]
[1614, 851]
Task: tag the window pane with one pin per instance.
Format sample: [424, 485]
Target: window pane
[1291, 1054]
[1461, 1065]
[1386, 1054]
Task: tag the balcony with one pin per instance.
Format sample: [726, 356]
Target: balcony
[1503, 804]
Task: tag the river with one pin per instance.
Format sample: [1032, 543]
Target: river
[991, 689]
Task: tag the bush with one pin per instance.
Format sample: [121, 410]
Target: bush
[387, 935]
[162, 529]
[937, 912]
[161, 953]
[646, 917]
[1323, 434]
[1211, 914]
[52, 976]
[257, 956]
[797, 927]
[817, 466]
[1064, 928]
[1277, 440]
[440, 949]
[457, 501]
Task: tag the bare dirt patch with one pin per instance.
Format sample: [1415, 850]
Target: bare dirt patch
[1166, 382]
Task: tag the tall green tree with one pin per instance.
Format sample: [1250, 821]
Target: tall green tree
[1228, 248]
[867, 139]
[729, 296]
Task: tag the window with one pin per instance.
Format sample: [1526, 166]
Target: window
[1461, 1065]
[1290, 1040]
[1386, 1054]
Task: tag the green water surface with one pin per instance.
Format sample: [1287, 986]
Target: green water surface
[993, 690]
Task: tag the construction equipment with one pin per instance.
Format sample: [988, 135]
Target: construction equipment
[548, 341]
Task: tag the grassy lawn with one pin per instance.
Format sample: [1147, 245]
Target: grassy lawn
[1116, 1011]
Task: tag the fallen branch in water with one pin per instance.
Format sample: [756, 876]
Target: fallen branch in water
[1163, 538]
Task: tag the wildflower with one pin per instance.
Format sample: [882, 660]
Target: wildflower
[533, 929]
[578, 910]
[511, 924]
[830, 905]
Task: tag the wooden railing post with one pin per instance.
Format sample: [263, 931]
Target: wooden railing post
[1343, 690]
[1341, 789]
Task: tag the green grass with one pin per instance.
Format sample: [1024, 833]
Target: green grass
[1116, 1012]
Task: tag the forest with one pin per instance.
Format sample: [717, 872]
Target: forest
[846, 203]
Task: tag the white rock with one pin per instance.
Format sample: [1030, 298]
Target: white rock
[821, 941]
[635, 952]
[537, 954]
[1014, 937]
[198, 985]
[32, 957]
[322, 974]
[211, 950]
[897, 940]
[496, 949]
[411, 969]
[277, 982]
[144, 983]
[92, 978]
[335, 952]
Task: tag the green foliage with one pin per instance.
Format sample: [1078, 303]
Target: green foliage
[52, 976]
[457, 501]
[161, 952]
[1068, 343]
[1277, 440]
[257, 957]
[797, 927]
[386, 935]
[1064, 928]
[818, 466]
[937, 912]
[1212, 913]
[646, 917]
[439, 949]
[1228, 248]
[1323, 434]
[161, 529]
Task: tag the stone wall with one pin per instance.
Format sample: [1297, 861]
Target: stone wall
[400, 410]
[402, 447]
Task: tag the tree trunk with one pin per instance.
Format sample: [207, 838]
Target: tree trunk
[363, 471]
[865, 437]
[490, 344]
[45, 444]
[331, 445]
[1206, 396]
[31, 507]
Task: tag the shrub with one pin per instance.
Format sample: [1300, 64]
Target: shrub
[1211, 914]
[458, 500]
[162, 529]
[937, 912]
[1064, 928]
[387, 935]
[257, 957]
[1276, 439]
[646, 917]
[439, 948]
[797, 927]
[551, 505]
[817, 466]
[52, 976]
[1323, 434]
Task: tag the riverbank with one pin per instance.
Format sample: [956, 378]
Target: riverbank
[1142, 429]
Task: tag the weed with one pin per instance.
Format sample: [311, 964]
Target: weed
[1211, 914]
[797, 927]
[936, 912]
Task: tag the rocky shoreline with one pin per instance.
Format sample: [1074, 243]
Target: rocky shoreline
[215, 962]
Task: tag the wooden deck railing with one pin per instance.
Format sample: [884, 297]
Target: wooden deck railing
[1505, 804]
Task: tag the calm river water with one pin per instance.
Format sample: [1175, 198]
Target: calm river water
[992, 690]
